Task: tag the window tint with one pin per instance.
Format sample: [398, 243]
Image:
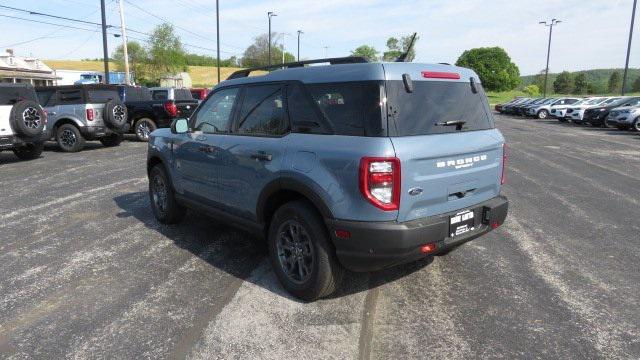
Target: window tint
[302, 111]
[137, 94]
[160, 94]
[102, 96]
[182, 94]
[571, 101]
[352, 108]
[12, 94]
[44, 96]
[433, 103]
[262, 111]
[214, 115]
[70, 96]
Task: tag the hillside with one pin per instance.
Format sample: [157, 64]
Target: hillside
[201, 76]
[596, 76]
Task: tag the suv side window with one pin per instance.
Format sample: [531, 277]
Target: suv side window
[70, 96]
[214, 115]
[160, 94]
[262, 111]
[303, 112]
[45, 97]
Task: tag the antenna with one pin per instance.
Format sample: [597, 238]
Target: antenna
[403, 57]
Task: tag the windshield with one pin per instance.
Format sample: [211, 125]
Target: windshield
[437, 107]
[611, 101]
[594, 101]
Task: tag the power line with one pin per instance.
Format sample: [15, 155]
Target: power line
[51, 16]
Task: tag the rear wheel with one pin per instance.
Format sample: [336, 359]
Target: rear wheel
[636, 124]
[162, 196]
[543, 114]
[301, 252]
[143, 128]
[29, 152]
[69, 138]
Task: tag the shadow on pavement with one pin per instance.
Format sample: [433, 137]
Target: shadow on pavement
[238, 253]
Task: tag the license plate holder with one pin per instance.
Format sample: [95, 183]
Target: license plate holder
[461, 223]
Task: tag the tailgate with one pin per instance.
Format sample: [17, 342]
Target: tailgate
[454, 171]
[186, 107]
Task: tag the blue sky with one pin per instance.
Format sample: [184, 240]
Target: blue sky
[593, 33]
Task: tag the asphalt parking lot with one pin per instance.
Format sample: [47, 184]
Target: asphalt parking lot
[86, 271]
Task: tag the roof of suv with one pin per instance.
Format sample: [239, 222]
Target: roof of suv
[355, 72]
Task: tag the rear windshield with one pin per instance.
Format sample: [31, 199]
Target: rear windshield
[102, 96]
[12, 94]
[432, 104]
[351, 108]
[183, 94]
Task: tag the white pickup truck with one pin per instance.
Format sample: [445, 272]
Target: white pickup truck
[22, 121]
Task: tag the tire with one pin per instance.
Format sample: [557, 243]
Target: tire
[115, 115]
[30, 151]
[297, 235]
[162, 197]
[112, 140]
[69, 138]
[143, 128]
[636, 124]
[543, 114]
[27, 118]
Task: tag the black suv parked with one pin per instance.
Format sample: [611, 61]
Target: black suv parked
[596, 116]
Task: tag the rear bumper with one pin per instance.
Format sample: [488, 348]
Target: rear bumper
[378, 245]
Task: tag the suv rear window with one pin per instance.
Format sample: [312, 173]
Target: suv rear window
[102, 96]
[433, 103]
[352, 108]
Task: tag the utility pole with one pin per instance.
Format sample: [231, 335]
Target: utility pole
[270, 14]
[105, 48]
[551, 24]
[626, 66]
[127, 76]
[299, 33]
[217, 37]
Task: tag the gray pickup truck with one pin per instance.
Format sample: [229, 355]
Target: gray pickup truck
[78, 113]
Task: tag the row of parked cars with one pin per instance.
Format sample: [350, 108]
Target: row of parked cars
[622, 112]
[74, 114]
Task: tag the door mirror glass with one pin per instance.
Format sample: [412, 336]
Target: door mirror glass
[180, 126]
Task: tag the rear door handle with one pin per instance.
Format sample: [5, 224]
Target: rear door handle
[261, 155]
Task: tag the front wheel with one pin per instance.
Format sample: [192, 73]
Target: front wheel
[543, 114]
[162, 196]
[29, 152]
[143, 128]
[301, 252]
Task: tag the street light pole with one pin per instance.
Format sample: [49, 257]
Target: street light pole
[299, 32]
[217, 38]
[270, 14]
[125, 49]
[551, 24]
[626, 66]
[105, 48]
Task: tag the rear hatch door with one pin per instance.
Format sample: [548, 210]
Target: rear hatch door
[443, 133]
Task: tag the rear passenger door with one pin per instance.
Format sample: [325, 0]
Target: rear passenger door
[257, 146]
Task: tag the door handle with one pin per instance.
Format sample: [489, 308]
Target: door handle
[261, 155]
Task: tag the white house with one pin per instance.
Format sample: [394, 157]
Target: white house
[16, 69]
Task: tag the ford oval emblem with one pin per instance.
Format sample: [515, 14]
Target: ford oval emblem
[415, 191]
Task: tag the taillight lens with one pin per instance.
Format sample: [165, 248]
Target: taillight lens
[90, 114]
[380, 182]
[503, 177]
[171, 108]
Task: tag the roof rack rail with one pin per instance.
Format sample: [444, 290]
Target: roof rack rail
[333, 61]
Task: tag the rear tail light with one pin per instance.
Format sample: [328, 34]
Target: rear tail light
[380, 182]
[503, 177]
[90, 115]
[171, 108]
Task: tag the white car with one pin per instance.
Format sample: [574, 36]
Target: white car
[543, 110]
[22, 121]
[576, 113]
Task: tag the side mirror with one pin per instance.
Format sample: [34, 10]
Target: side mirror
[180, 126]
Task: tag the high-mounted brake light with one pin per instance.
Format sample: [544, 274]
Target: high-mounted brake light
[440, 75]
[503, 177]
[90, 114]
[171, 108]
[380, 181]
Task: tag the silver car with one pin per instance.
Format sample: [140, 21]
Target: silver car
[624, 118]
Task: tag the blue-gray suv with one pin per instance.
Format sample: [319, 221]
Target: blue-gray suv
[353, 165]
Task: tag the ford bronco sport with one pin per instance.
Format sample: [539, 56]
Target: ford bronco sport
[22, 121]
[78, 113]
[353, 165]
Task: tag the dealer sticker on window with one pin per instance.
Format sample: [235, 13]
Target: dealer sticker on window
[461, 223]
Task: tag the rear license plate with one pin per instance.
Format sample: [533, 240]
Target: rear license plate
[461, 223]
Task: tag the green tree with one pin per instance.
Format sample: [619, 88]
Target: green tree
[257, 54]
[167, 56]
[580, 84]
[614, 82]
[396, 47]
[494, 67]
[368, 52]
[138, 59]
[531, 90]
[636, 85]
[563, 83]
